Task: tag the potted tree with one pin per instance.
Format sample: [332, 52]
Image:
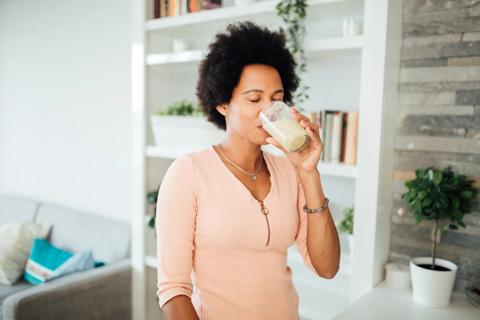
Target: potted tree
[442, 197]
[346, 226]
[183, 126]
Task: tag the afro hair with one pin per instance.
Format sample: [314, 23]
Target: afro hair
[242, 44]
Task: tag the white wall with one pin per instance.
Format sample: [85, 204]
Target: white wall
[64, 102]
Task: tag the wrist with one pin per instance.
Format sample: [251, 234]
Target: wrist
[308, 174]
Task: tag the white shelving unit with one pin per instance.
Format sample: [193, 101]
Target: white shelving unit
[345, 73]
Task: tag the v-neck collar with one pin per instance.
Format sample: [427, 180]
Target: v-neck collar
[240, 183]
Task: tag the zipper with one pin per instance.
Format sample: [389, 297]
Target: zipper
[265, 212]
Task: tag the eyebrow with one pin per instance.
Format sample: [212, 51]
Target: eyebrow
[258, 90]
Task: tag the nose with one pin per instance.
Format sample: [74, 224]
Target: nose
[267, 104]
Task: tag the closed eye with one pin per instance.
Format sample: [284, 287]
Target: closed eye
[255, 101]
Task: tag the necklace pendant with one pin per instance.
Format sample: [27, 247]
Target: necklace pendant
[254, 177]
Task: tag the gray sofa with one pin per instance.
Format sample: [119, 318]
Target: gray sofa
[100, 293]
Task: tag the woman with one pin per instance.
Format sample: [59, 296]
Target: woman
[229, 213]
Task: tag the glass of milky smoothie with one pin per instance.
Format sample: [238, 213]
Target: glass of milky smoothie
[279, 123]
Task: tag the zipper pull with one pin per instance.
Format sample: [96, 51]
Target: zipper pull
[265, 212]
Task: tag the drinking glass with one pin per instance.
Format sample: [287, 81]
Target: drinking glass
[278, 121]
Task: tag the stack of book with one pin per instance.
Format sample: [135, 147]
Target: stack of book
[170, 8]
[338, 130]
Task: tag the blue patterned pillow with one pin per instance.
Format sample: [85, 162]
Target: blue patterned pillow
[47, 262]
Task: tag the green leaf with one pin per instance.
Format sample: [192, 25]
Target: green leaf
[422, 194]
[457, 215]
[437, 177]
[419, 173]
[427, 202]
[455, 203]
[152, 197]
[418, 218]
[151, 222]
[467, 194]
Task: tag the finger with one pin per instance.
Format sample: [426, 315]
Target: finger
[313, 126]
[299, 116]
[314, 135]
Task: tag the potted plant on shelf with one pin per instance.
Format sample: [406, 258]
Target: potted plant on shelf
[346, 226]
[183, 126]
[152, 203]
[437, 196]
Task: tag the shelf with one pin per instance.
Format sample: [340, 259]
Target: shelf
[333, 44]
[327, 169]
[174, 57]
[156, 152]
[206, 16]
[312, 46]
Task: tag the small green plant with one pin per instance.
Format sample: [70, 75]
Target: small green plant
[293, 14]
[152, 201]
[437, 195]
[182, 108]
[346, 224]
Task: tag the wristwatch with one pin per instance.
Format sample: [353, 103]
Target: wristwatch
[316, 210]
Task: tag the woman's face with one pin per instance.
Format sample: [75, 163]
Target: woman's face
[259, 85]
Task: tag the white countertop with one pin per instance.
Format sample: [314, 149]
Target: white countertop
[392, 304]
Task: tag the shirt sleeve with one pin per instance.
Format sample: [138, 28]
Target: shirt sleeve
[175, 227]
[301, 237]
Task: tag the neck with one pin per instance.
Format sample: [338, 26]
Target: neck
[243, 153]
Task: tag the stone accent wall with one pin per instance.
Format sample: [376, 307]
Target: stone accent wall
[439, 121]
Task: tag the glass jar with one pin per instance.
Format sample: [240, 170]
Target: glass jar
[278, 121]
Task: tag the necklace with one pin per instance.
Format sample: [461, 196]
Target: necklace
[253, 176]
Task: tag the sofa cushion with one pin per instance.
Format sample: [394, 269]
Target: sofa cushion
[15, 244]
[16, 209]
[76, 231]
[48, 262]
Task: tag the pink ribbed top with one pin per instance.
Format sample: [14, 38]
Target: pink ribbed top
[212, 236]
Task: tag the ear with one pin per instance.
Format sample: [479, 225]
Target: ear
[222, 109]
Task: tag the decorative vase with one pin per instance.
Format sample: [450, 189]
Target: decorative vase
[432, 288]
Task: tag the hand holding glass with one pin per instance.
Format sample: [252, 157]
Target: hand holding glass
[278, 121]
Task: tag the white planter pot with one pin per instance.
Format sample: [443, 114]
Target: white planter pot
[186, 133]
[351, 246]
[430, 287]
